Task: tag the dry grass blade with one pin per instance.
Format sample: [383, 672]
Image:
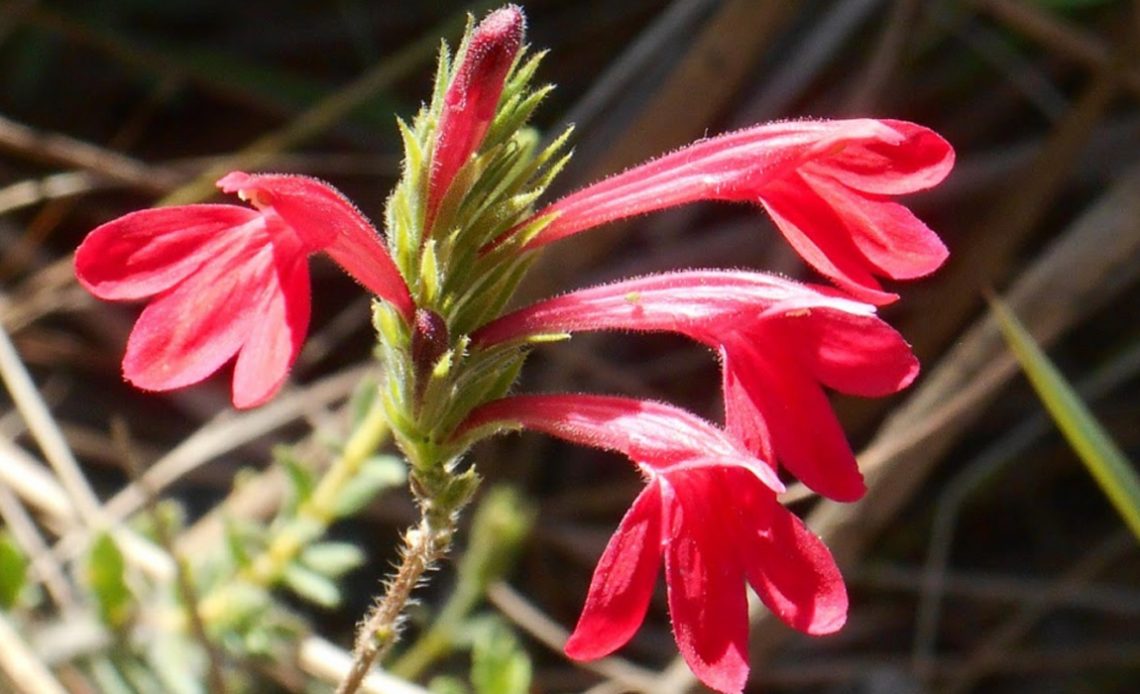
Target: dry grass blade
[44, 565]
[329, 663]
[21, 666]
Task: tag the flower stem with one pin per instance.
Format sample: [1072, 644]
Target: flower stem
[424, 545]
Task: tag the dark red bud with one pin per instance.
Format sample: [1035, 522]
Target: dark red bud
[429, 342]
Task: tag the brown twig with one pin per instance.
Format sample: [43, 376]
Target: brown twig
[56, 148]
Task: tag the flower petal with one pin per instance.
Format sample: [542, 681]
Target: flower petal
[806, 436]
[147, 252]
[742, 420]
[189, 333]
[650, 433]
[314, 210]
[623, 581]
[325, 220]
[696, 303]
[277, 334]
[855, 354]
[907, 159]
[793, 572]
[888, 234]
[814, 230]
[707, 600]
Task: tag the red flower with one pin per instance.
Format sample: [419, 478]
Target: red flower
[779, 342]
[826, 184]
[472, 97]
[228, 280]
[709, 507]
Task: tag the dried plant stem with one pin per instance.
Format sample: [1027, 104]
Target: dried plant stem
[424, 545]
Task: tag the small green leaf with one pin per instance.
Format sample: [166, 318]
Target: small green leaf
[106, 576]
[13, 571]
[446, 684]
[302, 480]
[176, 661]
[241, 537]
[1107, 464]
[332, 559]
[246, 605]
[498, 665]
[312, 586]
[378, 473]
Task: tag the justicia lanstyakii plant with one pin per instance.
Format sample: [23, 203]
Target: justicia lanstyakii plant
[461, 229]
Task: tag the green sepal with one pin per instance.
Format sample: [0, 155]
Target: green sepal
[428, 280]
[390, 326]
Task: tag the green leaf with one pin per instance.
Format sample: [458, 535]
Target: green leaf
[312, 586]
[241, 537]
[302, 480]
[176, 661]
[498, 665]
[446, 684]
[378, 473]
[332, 559]
[1107, 464]
[106, 576]
[13, 571]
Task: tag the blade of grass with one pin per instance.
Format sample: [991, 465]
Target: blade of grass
[1107, 464]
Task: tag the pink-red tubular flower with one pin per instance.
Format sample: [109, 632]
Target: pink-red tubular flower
[228, 280]
[472, 97]
[709, 509]
[826, 184]
[779, 342]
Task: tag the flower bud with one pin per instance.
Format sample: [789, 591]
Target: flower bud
[472, 97]
[429, 343]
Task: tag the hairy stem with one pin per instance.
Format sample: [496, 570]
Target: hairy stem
[424, 545]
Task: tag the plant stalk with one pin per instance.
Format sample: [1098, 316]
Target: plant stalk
[424, 545]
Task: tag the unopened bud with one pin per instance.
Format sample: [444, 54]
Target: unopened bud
[472, 97]
[429, 343]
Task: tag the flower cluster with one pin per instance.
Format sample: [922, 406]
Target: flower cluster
[230, 281]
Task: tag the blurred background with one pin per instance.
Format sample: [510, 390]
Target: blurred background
[984, 557]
